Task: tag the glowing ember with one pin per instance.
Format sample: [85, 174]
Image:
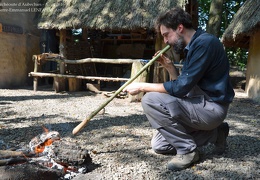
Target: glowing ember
[38, 143]
[40, 148]
[54, 153]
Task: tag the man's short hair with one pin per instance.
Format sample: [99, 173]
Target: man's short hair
[173, 18]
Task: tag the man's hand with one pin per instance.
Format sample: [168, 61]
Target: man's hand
[133, 88]
[164, 60]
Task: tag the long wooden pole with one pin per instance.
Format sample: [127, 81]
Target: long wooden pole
[84, 122]
[41, 74]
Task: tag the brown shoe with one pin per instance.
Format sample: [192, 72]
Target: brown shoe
[182, 161]
[221, 142]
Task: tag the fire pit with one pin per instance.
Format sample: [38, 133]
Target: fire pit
[49, 157]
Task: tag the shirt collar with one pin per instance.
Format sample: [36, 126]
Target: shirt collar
[197, 34]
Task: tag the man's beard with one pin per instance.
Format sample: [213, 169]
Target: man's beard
[179, 45]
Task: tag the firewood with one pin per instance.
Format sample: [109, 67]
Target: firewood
[8, 154]
[10, 161]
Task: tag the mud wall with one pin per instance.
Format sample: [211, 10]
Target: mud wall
[18, 46]
[253, 66]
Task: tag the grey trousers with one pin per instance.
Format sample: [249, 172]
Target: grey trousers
[183, 123]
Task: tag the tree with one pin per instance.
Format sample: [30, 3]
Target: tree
[215, 17]
[215, 21]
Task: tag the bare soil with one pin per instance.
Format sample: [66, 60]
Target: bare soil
[118, 139]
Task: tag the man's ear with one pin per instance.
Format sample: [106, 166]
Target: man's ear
[180, 28]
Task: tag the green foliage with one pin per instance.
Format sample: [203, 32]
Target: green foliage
[237, 56]
[203, 9]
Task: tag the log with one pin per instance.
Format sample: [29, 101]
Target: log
[62, 46]
[93, 87]
[100, 60]
[10, 161]
[136, 66]
[35, 79]
[29, 171]
[92, 78]
[94, 60]
[8, 154]
[74, 84]
[60, 83]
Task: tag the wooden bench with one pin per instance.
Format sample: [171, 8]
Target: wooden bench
[60, 76]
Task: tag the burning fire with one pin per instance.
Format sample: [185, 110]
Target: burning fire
[38, 143]
[40, 148]
[44, 146]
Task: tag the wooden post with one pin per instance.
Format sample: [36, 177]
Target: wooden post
[136, 66]
[62, 42]
[157, 77]
[35, 79]
[85, 34]
[74, 84]
[60, 83]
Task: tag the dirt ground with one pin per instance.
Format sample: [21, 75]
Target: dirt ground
[118, 140]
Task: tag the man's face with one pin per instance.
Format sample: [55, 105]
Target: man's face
[173, 38]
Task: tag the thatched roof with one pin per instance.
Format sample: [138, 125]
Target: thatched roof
[243, 25]
[103, 14]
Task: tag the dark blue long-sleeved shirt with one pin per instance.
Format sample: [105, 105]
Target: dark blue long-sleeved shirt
[205, 65]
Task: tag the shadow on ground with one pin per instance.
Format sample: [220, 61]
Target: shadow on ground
[133, 145]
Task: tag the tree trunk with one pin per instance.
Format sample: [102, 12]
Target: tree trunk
[215, 14]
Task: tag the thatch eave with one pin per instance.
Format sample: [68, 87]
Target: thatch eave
[245, 22]
[103, 14]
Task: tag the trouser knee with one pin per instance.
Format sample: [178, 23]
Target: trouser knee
[161, 146]
[146, 101]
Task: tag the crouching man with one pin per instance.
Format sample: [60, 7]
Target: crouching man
[188, 111]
